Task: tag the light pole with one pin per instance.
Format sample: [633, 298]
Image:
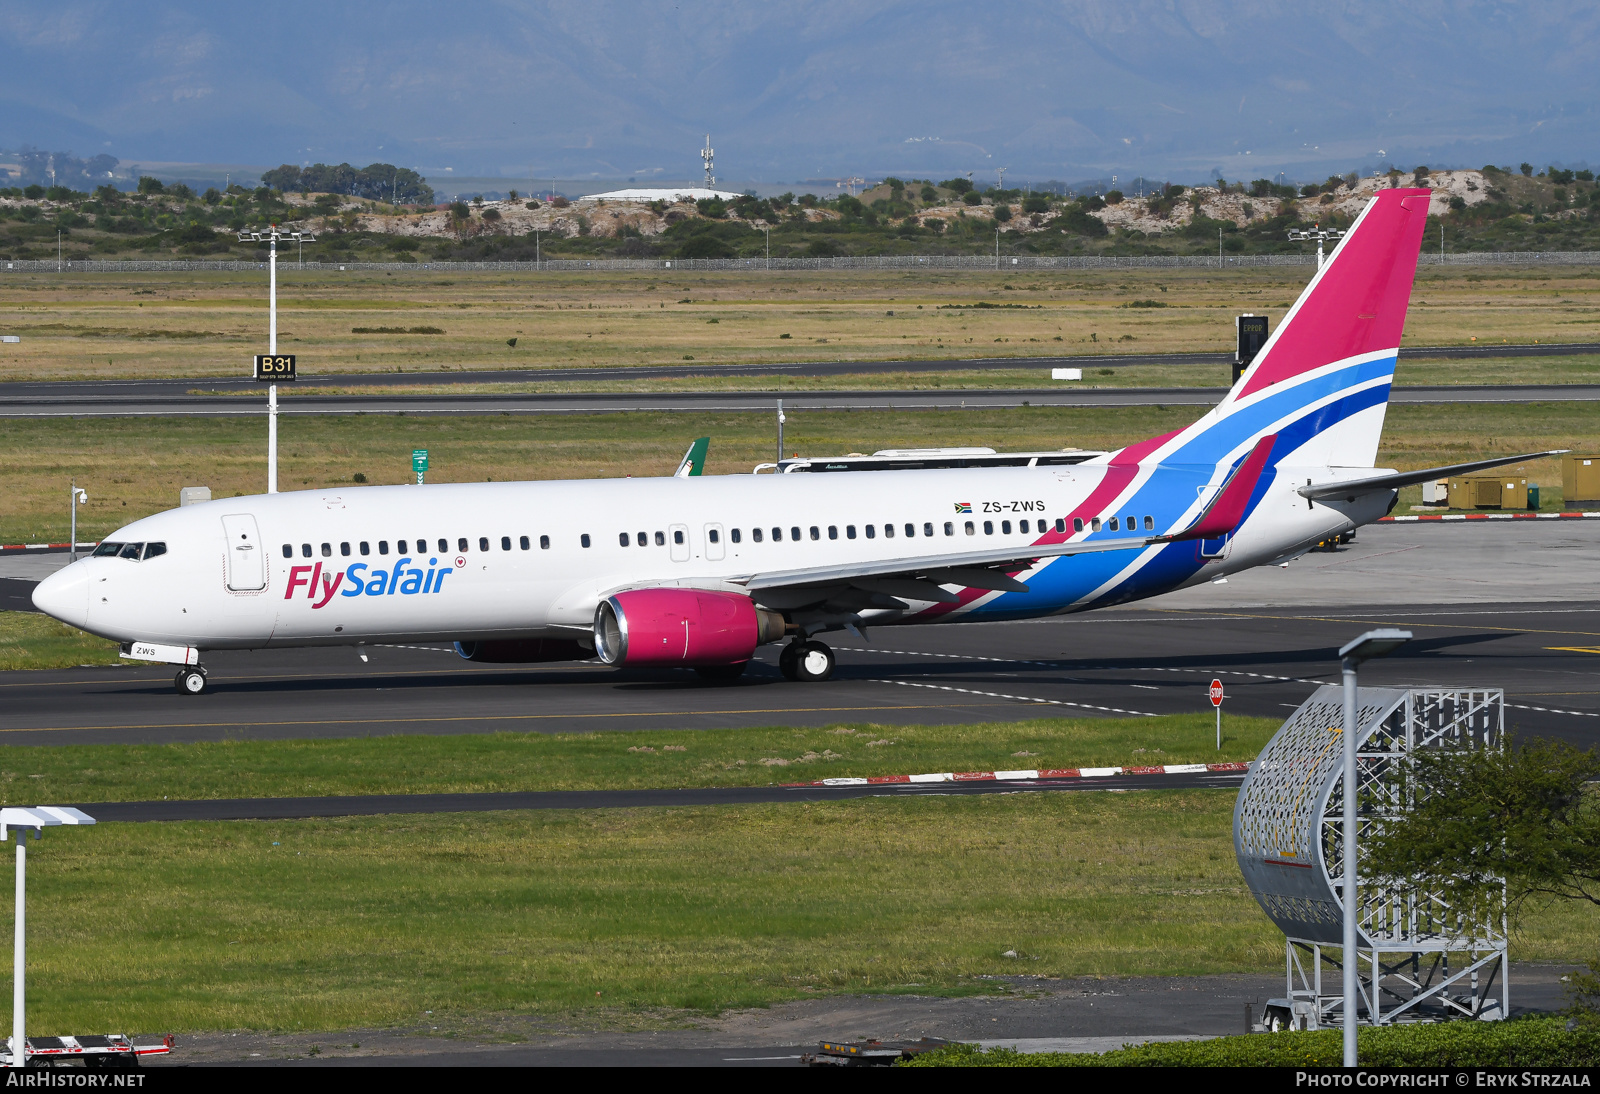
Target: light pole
[769, 246]
[997, 248]
[1317, 233]
[1377, 643]
[781, 420]
[272, 235]
[76, 498]
[38, 818]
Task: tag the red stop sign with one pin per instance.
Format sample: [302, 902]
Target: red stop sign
[1216, 693]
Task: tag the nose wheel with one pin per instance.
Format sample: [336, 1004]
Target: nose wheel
[806, 662]
[190, 681]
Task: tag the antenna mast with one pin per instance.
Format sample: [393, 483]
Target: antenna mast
[705, 154]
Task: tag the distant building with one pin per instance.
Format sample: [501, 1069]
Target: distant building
[666, 193]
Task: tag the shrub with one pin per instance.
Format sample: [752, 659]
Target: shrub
[1526, 169]
[559, 202]
[929, 194]
[35, 192]
[936, 224]
[149, 185]
[972, 197]
[460, 211]
[823, 248]
[714, 208]
[1002, 213]
[704, 246]
[960, 186]
[1113, 197]
[1036, 203]
[491, 214]
[894, 184]
[1310, 190]
[1584, 176]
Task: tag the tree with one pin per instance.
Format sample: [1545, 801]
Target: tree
[284, 178]
[716, 209]
[150, 185]
[972, 197]
[1002, 213]
[1526, 169]
[927, 193]
[960, 186]
[1113, 197]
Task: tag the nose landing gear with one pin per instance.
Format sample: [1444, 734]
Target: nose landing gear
[806, 662]
[190, 681]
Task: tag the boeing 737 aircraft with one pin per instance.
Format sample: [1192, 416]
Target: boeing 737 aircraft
[700, 571]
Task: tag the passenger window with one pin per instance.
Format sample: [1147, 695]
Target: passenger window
[970, 529]
[755, 535]
[1077, 524]
[344, 550]
[1022, 526]
[1113, 524]
[505, 543]
[888, 531]
[872, 531]
[132, 551]
[849, 531]
[711, 534]
[523, 543]
[400, 547]
[305, 550]
[677, 537]
[327, 550]
[109, 550]
[777, 535]
[622, 539]
[794, 534]
[1149, 524]
[815, 533]
[988, 527]
[833, 531]
[151, 550]
[911, 530]
[1094, 524]
[661, 539]
[927, 529]
[584, 539]
[483, 543]
[366, 548]
[544, 543]
[1061, 524]
[288, 550]
[383, 546]
[1005, 527]
[735, 534]
[461, 544]
[949, 529]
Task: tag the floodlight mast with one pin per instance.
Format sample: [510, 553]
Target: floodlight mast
[272, 235]
[1378, 643]
[1318, 233]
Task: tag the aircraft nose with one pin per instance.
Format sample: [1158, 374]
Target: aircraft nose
[64, 595]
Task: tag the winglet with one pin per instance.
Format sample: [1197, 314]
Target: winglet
[694, 460]
[1226, 510]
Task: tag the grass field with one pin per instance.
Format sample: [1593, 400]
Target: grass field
[331, 924]
[133, 467]
[79, 326]
[597, 761]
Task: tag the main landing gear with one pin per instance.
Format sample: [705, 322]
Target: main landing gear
[808, 662]
[190, 681]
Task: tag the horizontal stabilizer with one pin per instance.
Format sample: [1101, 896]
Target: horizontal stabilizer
[1351, 487]
[1226, 510]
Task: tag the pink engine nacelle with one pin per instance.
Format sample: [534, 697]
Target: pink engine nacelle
[691, 627]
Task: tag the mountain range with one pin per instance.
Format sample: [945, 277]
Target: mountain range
[810, 89]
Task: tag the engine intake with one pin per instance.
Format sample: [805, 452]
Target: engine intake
[681, 627]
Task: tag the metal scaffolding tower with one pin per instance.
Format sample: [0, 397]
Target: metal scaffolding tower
[1419, 959]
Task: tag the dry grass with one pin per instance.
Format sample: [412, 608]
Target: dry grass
[203, 324]
[134, 467]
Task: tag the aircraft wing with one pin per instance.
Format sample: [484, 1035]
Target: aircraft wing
[920, 578]
[1351, 487]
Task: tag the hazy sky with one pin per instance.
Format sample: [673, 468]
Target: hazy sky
[810, 88]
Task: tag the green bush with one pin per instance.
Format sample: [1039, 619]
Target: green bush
[1524, 1042]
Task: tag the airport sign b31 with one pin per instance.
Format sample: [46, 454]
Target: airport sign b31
[274, 367]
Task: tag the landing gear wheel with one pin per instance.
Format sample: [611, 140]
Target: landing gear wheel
[190, 681]
[721, 674]
[788, 659]
[813, 663]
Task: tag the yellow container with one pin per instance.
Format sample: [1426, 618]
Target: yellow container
[1488, 492]
[1580, 480]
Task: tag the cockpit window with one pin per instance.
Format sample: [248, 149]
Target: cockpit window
[131, 550]
[107, 550]
[151, 550]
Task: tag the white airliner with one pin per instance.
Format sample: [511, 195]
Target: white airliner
[699, 571]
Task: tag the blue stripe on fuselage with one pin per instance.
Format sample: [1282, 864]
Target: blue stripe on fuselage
[1168, 493]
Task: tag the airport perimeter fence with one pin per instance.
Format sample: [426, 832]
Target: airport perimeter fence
[859, 262]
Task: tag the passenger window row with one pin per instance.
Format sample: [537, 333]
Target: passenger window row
[1131, 522]
[134, 551]
[403, 546]
[797, 533]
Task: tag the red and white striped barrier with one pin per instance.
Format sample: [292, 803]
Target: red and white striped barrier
[1028, 775]
[8, 548]
[1485, 516]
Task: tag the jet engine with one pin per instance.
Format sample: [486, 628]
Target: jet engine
[681, 627]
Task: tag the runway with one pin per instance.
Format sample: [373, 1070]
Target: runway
[1503, 605]
[159, 389]
[237, 406]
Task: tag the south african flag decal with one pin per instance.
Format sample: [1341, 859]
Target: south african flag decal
[963, 507]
